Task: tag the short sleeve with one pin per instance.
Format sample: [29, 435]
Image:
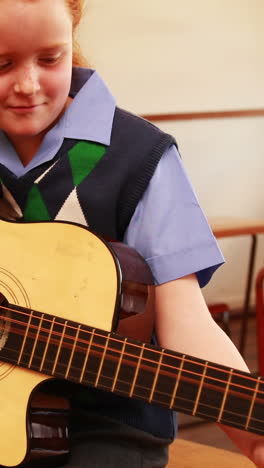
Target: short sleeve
[169, 228]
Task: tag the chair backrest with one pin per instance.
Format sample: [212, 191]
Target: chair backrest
[260, 319]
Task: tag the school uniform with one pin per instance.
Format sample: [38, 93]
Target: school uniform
[165, 224]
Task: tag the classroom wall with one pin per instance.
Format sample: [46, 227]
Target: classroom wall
[183, 56]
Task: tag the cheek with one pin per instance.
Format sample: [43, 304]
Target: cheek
[4, 90]
[57, 85]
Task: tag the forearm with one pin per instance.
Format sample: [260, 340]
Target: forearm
[184, 324]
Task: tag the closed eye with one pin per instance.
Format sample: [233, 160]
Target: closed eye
[5, 65]
[50, 60]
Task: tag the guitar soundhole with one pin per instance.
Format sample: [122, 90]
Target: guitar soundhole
[4, 321]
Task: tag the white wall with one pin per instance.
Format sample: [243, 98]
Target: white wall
[184, 55]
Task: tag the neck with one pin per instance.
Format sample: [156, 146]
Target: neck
[27, 147]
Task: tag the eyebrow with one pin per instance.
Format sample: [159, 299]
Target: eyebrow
[53, 47]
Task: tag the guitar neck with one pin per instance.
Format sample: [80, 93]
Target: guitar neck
[92, 357]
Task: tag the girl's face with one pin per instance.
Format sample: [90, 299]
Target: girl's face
[35, 65]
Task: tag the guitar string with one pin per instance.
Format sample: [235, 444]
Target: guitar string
[155, 351]
[133, 356]
[157, 393]
[102, 386]
[246, 377]
[210, 382]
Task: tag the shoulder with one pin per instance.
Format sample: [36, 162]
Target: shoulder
[131, 126]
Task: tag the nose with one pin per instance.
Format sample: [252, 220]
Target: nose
[27, 81]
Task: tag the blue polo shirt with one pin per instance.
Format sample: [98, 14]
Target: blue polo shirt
[168, 227]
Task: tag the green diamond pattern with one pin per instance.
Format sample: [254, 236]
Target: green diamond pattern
[83, 158]
[36, 209]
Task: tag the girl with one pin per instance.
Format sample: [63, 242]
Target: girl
[67, 153]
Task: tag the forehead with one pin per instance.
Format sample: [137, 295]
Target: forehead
[28, 23]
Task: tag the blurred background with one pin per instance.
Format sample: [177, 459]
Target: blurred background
[177, 56]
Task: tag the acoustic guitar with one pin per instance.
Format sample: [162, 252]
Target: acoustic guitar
[64, 289]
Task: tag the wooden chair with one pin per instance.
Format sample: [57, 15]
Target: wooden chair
[260, 319]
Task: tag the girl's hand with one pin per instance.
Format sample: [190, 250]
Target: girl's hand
[183, 323]
[250, 444]
[258, 453]
[7, 212]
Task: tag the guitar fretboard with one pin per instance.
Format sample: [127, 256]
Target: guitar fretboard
[93, 357]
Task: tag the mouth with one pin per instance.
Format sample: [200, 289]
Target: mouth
[24, 109]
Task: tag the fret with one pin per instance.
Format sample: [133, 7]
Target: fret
[200, 389]
[72, 351]
[119, 365]
[106, 361]
[257, 418]
[59, 348]
[238, 401]
[252, 403]
[137, 371]
[225, 396]
[127, 368]
[97, 359]
[35, 341]
[146, 374]
[47, 345]
[177, 382]
[211, 396]
[87, 355]
[25, 338]
[102, 361]
[156, 376]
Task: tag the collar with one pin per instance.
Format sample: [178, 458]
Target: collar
[90, 114]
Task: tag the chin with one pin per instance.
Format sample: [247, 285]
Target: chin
[27, 132]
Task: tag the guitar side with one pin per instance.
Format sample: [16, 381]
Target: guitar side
[54, 268]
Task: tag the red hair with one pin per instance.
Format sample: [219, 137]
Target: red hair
[76, 10]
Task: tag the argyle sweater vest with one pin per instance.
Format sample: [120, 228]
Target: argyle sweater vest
[98, 187]
[89, 183]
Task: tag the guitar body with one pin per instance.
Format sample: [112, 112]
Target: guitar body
[58, 280]
[63, 290]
